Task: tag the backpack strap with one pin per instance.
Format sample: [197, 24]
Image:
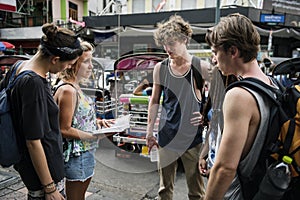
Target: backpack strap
[257, 85]
[196, 68]
[14, 78]
[273, 94]
[288, 142]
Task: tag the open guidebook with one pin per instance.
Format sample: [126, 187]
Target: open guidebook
[120, 125]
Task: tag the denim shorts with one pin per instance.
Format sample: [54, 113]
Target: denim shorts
[80, 168]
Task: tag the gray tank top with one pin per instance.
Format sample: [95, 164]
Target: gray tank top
[247, 164]
[179, 102]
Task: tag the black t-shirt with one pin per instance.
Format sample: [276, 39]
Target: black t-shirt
[35, 115]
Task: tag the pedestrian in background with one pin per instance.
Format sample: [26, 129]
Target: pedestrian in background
[235, 43]
[77, 118]
[35, 114]
[214, 117]
[180, 126]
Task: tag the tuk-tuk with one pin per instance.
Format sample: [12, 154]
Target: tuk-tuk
[130, 70]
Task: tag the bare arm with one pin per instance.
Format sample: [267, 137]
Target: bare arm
[39, 162]
[66, 99]
[205, 67]
[237, 119]
[142, 86]
[153, 107]
[202, 158]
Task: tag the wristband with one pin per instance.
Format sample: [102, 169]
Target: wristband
[50, 188]
[49, 185]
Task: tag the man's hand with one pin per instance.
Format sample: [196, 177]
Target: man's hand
[203, 167]
[198, 119]
[151, 141]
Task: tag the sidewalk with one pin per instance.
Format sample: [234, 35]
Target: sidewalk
[115, 178]
[11, 186]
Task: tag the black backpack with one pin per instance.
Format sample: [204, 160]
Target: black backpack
[9, 148]
[282, 139]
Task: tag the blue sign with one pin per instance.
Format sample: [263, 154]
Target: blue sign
[271, 18]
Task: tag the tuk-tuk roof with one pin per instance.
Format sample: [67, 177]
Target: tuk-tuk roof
[289, 66]
[139, 61]
[9, 60]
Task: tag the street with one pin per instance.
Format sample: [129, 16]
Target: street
[130, 177]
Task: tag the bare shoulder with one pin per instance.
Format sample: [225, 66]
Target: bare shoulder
[156, 72]
[66, 91]
[239, 99]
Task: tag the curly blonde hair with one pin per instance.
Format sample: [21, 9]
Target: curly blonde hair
[175, 29]
[70, 73]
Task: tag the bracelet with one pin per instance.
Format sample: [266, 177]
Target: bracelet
[50, 185]
[51, 191]
[50, 188]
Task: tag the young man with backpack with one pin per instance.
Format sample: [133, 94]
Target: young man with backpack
[235, 43]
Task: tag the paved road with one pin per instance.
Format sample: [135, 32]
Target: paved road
[116, 178]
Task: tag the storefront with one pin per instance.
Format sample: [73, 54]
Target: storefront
[116, 35]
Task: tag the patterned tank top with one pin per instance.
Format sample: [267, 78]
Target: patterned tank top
[84, 119]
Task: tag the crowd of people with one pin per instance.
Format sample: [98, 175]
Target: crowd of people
[55, 129]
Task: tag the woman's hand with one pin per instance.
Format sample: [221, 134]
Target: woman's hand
[54, 196]
[105, 123]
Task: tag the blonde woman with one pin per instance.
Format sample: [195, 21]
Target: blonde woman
[77, 119]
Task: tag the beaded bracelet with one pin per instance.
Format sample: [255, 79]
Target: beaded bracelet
[50, 185]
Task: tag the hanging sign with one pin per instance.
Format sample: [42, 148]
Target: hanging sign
[8, 5]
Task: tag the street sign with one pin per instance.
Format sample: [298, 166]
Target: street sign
[272, 18]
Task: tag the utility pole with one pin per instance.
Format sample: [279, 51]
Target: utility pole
[47, 15]
[217, 15]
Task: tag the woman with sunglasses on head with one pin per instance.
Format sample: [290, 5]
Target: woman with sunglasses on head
[78, 120]
[35, 114]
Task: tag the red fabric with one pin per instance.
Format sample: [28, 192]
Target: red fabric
[7, 7]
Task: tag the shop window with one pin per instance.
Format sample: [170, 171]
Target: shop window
[73, 11]
[210, 4]
[155, 3]
[188, 4]
[138, 6]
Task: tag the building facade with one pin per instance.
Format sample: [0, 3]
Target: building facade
[23, 27]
